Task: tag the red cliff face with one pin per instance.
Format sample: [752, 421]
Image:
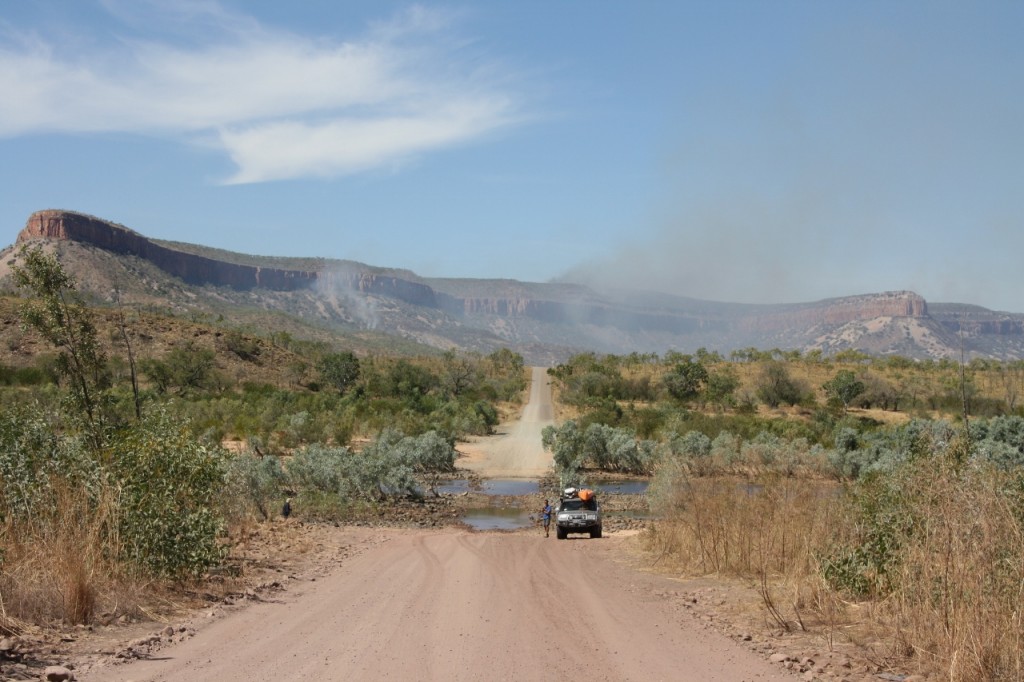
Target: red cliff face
[189, 267]
[840, 311]
[200, 270]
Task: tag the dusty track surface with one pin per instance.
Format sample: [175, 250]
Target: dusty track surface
[402, 604]
[516, 451]
[455, 605]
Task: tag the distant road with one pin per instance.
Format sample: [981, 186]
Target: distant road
[516, 450]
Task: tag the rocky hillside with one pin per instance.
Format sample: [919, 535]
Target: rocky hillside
[545, 322]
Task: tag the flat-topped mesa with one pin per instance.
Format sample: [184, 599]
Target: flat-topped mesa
[868, 306]
[194, 269]
[839, 311]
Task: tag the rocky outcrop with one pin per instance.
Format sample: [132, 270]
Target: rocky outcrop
[200, 270]
[838, 311]
[189, 267]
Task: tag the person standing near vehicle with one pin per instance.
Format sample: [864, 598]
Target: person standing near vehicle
[545, 514]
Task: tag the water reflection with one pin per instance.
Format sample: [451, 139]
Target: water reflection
[492, 518]
[496, 486]
[620, 487]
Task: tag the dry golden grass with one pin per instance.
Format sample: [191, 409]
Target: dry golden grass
[956, 603]
[54, 564]
[960, 591]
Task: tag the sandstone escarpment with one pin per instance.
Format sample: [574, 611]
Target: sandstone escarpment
[200, 270]
[836, 312]
[486, 314]
[189, 267]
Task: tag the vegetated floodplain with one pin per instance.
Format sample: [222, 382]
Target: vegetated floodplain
[880, 500]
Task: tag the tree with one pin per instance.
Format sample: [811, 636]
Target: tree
[460, 373]
[686, 380]
[59, 315]
[775, 386]
[844, 387]
[246, 348]
[185, 368]
[506, 362]
[721, 386]
[339, 370]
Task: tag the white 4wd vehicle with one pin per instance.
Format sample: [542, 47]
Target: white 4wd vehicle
[578, 512]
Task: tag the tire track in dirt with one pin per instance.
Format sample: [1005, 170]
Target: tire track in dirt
[516, 451]
[454, 605]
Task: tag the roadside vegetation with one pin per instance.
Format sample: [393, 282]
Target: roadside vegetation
[880, 500]
[126, 465]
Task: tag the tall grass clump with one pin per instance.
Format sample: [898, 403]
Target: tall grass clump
[54, 514]
[74, 522]
[938, 546]
[924, 547]
[767, 530]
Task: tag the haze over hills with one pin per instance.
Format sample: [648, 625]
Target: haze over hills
[544, 321]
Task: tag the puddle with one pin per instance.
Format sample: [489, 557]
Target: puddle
[496, 486]
[492, 518]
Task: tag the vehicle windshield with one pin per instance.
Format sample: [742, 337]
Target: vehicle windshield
[576, 504]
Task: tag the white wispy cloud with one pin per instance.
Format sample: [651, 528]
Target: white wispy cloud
[279, 105]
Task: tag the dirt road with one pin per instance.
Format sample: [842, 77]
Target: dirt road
[454, 605]
[516, 451]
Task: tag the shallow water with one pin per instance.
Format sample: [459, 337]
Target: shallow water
[620, 486]
[493, 518]
[496, 486]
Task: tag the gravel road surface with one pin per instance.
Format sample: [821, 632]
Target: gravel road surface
[456, 605]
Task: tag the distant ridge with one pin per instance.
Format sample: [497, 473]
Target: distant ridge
[547, 321]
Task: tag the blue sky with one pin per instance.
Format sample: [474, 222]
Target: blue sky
[739, 151]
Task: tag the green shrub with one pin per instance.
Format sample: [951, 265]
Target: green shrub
[252, 485]
[168, 486]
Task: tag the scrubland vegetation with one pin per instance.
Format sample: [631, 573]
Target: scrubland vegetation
[879, 500]
[113, 468]
[875, 499]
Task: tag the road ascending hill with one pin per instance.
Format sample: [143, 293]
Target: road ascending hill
[516, 450]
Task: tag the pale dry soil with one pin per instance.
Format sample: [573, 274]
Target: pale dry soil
[386, 603]
[516, 450]
[455, 605]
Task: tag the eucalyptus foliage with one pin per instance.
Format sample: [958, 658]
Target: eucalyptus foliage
[167, 486]
[33, 459]
[56, 312]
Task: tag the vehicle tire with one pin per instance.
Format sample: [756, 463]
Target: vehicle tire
[595, 532]
[560, 533]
